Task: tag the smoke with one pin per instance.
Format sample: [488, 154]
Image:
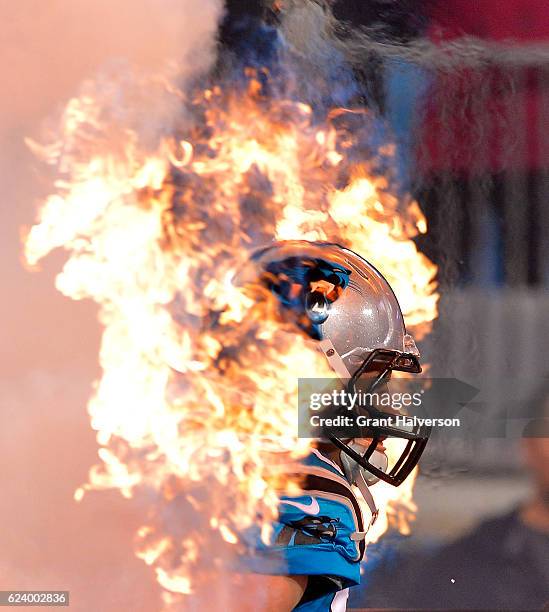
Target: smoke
[468, 116]
[48, 50]
[49, 54]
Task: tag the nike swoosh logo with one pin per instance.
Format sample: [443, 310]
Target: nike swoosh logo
[312, 508]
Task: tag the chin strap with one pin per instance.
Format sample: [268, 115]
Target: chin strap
[369, 499]
[355, 475]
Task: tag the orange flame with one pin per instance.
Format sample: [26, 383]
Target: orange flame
[199, 380]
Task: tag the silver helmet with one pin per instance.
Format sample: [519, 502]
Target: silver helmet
[340, 300]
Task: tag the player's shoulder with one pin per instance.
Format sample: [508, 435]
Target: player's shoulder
[322, 479]
[317, 460]
[318, 529]
[326, 510]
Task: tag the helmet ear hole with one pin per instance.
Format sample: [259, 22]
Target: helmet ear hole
[316, 307]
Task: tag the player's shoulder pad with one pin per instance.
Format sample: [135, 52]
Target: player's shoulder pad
[328, 504]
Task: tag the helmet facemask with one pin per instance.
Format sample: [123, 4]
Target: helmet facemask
[414, 437]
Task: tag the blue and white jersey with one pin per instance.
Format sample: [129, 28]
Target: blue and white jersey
[317, 534]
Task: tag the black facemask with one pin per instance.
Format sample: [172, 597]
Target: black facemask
[413, 438]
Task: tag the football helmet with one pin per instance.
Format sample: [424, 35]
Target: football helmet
[344, 304]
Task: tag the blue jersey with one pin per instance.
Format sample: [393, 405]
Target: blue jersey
[318, 534]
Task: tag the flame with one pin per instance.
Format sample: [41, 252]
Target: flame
[199, 379]
[396, 503]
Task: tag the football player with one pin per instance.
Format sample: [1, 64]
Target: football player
[345, 306]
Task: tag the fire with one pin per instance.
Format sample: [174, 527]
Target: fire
[396, 503]
[199, 380]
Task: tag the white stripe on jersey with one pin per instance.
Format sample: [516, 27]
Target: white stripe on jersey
[326, 460]
[339, 602]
